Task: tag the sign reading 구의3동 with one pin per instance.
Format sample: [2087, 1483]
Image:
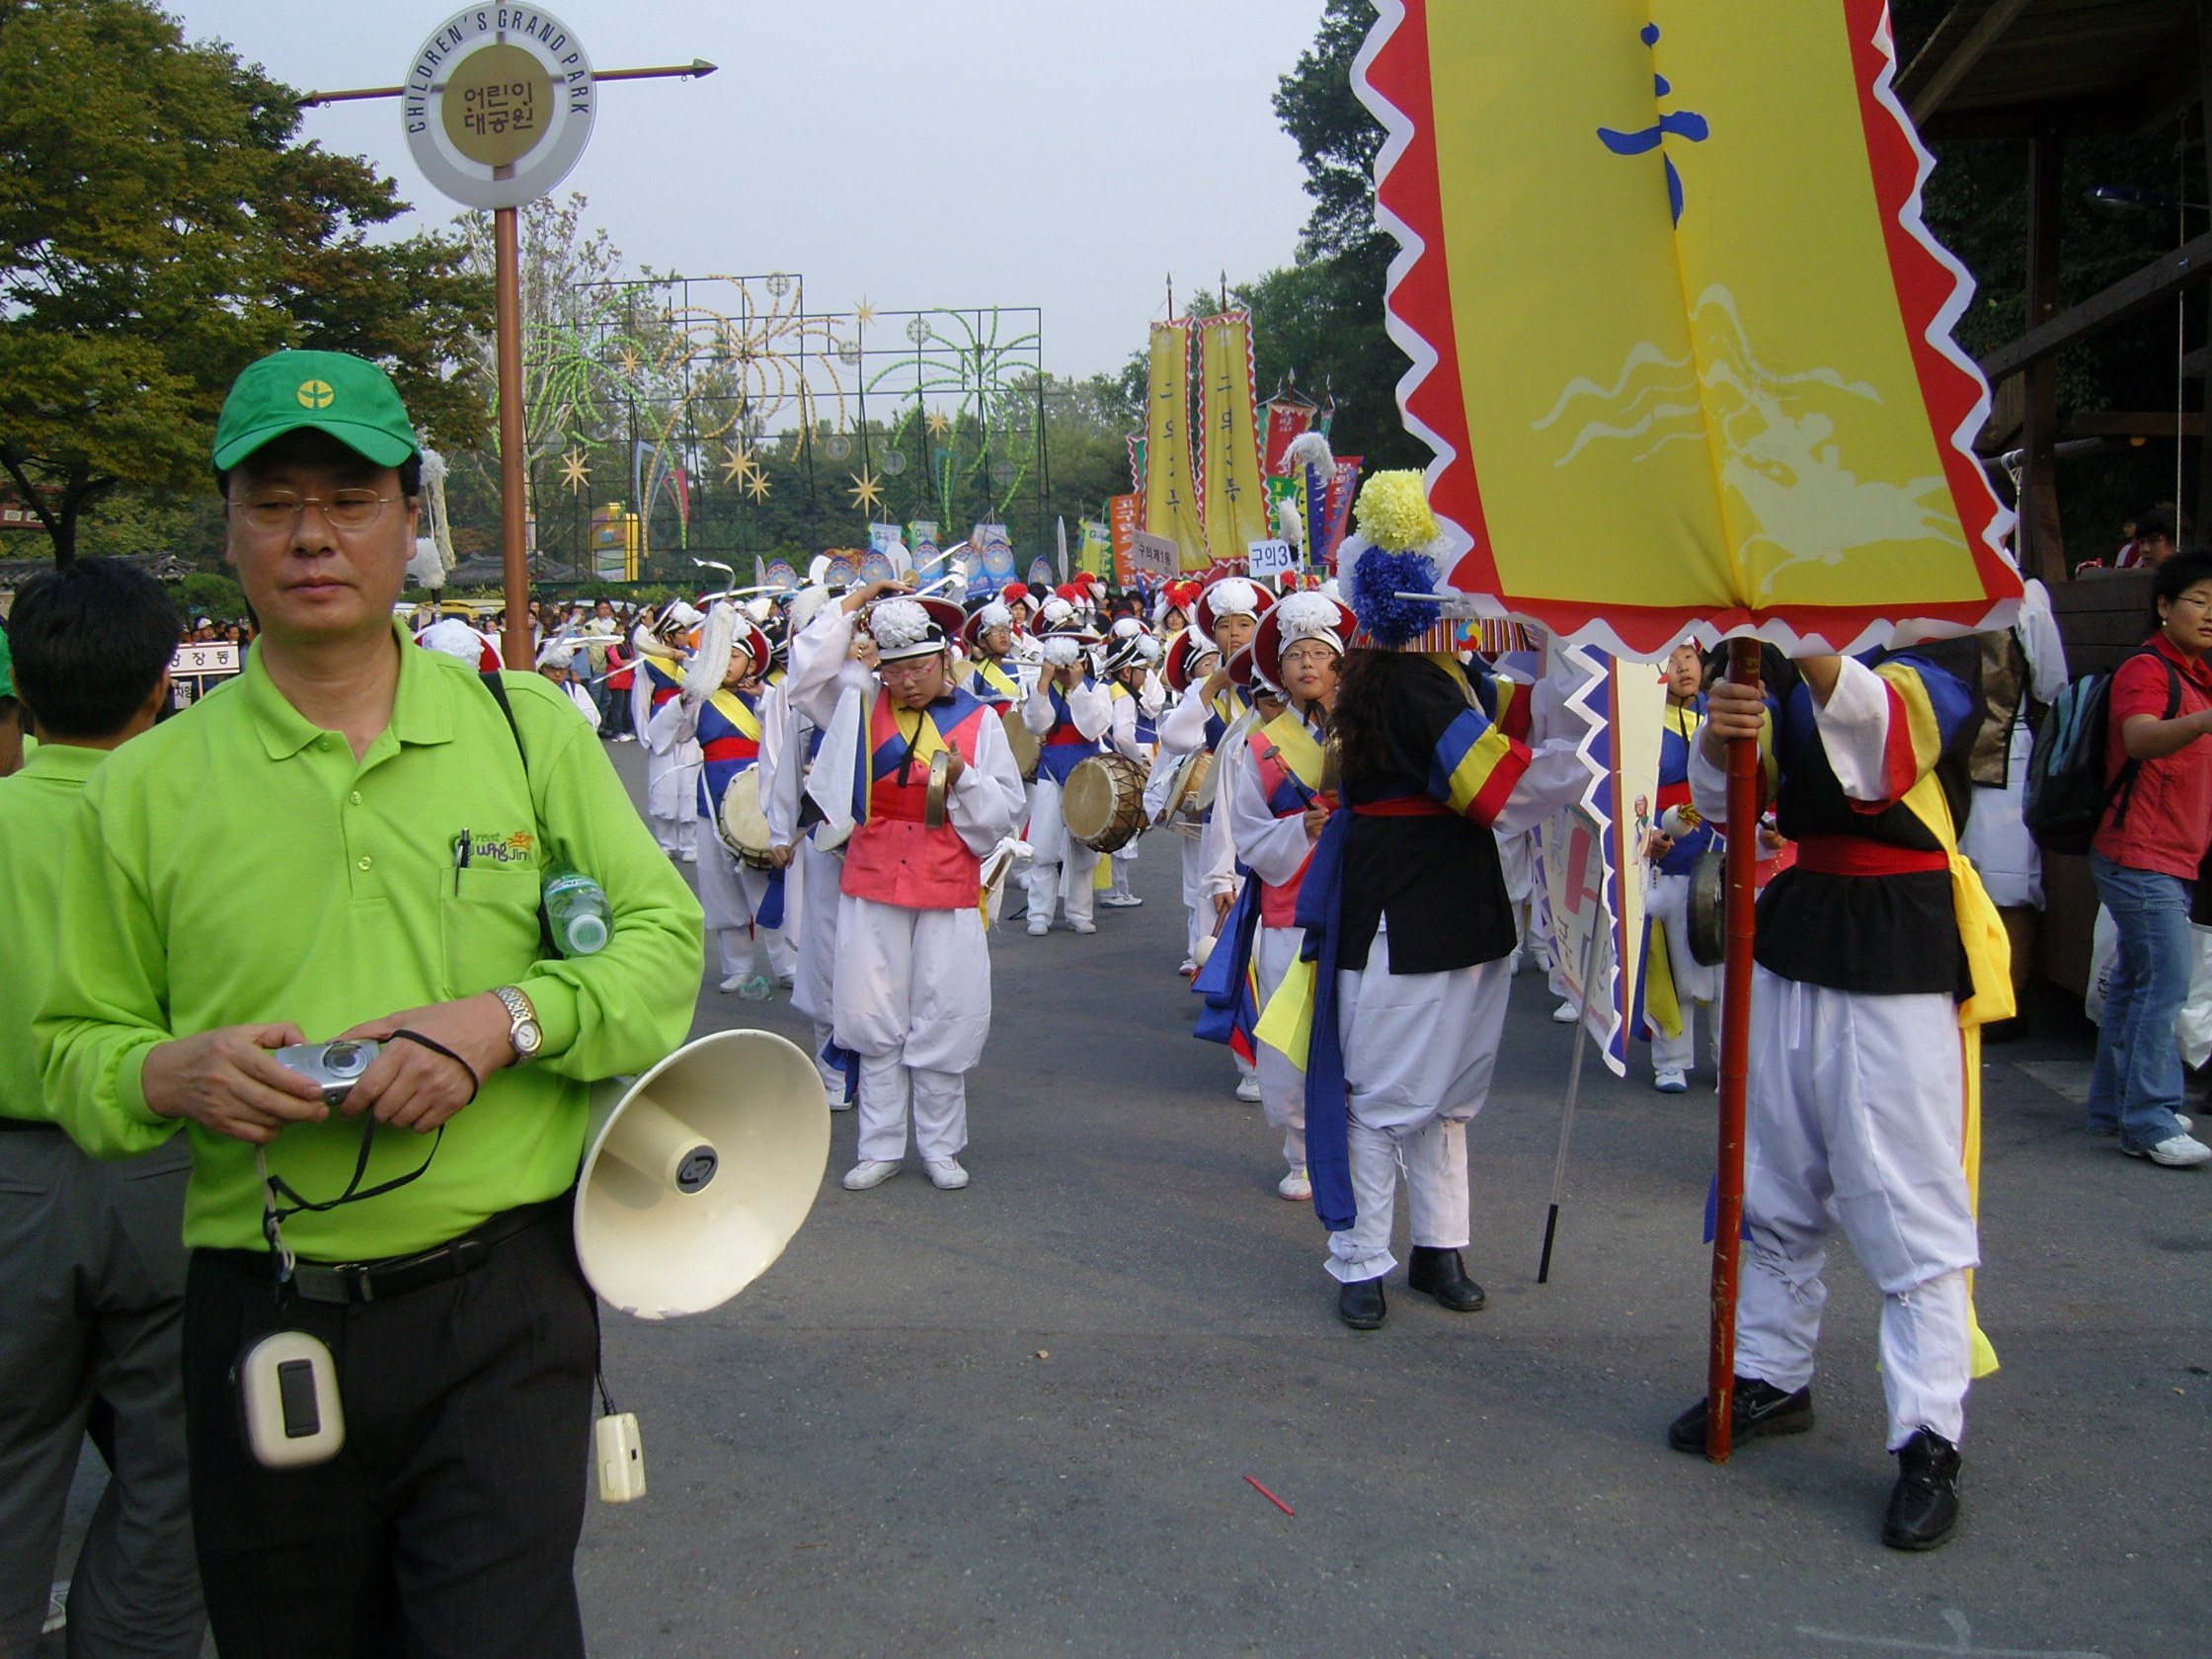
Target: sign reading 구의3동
[498, 105]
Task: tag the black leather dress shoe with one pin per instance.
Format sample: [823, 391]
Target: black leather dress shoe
[1440, 1273]
[1758, 1409]
[1923, 1504]
[1360, 1304]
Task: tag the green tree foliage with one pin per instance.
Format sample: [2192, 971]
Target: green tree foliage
[160, 227]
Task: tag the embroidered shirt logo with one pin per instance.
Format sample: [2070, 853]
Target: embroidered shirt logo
[518, 848]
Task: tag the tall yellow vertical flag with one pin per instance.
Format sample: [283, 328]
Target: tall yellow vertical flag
[1230, 481]
[1679, 338]
[1170, 493]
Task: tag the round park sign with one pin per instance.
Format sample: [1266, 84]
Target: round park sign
[498, 105]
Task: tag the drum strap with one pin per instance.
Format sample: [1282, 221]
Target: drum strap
[497, 689]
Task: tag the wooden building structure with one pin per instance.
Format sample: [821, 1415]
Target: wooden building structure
[2044, 71]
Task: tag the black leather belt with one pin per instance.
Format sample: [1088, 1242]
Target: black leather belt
[395, 1276]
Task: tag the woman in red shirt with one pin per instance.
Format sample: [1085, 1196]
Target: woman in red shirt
[2146, 859]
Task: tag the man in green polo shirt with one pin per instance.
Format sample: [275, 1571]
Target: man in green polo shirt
[348, 839]
[92, 1270]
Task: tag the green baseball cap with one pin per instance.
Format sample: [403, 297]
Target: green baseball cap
[346, 396]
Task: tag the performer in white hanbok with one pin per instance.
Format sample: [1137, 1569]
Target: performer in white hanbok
[1398, 1004]
[672, 772]
[1134, 733]
[915, 779]
[1185, 729]
[718, 714]
[1880, 957]
[789, 743]
[1279, 797]
[1068, 712]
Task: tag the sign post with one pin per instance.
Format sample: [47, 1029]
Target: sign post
[497, 106]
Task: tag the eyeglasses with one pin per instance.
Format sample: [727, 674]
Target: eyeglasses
[275, 510]
[907, 667]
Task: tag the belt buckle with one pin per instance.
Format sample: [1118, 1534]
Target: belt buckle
[342, 1283]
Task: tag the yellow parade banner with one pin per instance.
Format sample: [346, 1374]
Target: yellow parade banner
[1679, 338]
[1170, 495]
[1231, 485]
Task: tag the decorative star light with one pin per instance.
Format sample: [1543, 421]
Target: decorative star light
[867, 490]
[757, 486]
[738, 468]
[574, 473]
[937, 423]
[863, 314]
[631, 363]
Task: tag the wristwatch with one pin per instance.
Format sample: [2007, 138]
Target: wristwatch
[521, 1023]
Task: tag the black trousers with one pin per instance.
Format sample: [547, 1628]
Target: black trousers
[448, 1523]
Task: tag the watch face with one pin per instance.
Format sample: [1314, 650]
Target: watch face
[526, 1038]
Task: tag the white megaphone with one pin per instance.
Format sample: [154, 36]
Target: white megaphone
[697, 1174]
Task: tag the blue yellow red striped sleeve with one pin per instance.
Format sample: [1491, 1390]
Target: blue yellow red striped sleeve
[1925, 708]
[1474, 767]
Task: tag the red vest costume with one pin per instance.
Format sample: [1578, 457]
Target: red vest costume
[894, 857]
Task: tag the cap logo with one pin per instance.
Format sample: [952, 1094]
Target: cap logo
[316, 394]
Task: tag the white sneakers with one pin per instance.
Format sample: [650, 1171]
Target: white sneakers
[1248, 1088]
[736, 982]
[1085, 926]
[1670, 1082]
[1120, 901]
[1039, 927]
[945, 1174]
[2175, 1151]
[1296, 1186]
[690, 855]
[1567, 1014]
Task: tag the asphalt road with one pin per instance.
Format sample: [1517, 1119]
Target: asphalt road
[1020, 1419]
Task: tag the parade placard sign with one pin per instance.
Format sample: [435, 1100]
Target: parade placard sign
[1171, 490]
[1663, 259]
[1152, 556]
[1270, 558]
[498, 105]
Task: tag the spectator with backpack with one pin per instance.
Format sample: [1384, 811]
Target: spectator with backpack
[2148, 856]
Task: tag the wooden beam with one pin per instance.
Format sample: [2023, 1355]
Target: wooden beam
[2040, 541]
[2130, 296]
[1970, 52]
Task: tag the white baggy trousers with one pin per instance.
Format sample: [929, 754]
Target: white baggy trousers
[1696, 984]
[1061, 866]
[1854, 1118]
[731, 896]
[1419, 1049]
[912, 998]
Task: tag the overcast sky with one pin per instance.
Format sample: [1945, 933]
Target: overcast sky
[945, 152]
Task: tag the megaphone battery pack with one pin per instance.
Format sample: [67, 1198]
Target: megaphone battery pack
[287, 1401]
[621, 1456]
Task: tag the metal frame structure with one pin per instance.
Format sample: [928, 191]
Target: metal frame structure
[696, 381]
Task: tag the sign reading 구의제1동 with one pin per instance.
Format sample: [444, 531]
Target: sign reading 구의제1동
[498, 105]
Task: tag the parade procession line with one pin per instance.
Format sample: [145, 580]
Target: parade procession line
[1021, 1418]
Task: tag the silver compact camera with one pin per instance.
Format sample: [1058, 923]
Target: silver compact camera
[334, 1067]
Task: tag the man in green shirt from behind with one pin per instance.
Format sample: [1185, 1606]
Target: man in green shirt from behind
[92, 1268]
[348, 839]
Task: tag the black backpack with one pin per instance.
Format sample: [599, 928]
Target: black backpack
[2067, 794]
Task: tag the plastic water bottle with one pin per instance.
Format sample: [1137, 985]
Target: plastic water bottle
[577, 907]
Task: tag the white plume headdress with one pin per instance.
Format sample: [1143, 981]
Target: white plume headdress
[1063, 651]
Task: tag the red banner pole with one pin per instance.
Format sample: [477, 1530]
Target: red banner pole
[1735, 1061]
